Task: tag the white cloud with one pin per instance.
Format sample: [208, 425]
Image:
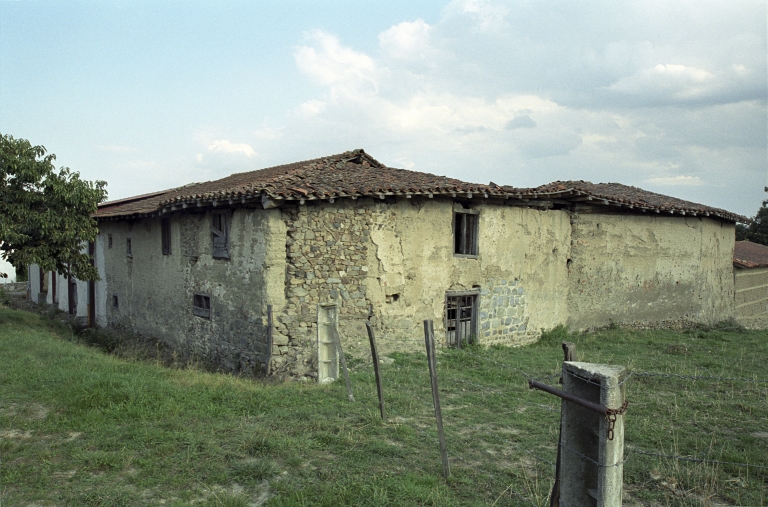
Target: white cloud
[540, 94]
[406, 40]
[344, 70]
[489, 16]
[225, 146]
[676, 181]
[311, 108]
[676, 81]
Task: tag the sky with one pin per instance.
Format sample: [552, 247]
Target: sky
[669, 96]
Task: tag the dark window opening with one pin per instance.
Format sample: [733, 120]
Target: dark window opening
[220, 235]
[461, 319]
[109, 240]
[393, 298]
[128, 248]
[114, 301]
[165, 233]
[465, 233]
[201, 305]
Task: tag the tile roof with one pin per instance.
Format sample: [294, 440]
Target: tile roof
[616, 194]
[355, 173]
[750, 255]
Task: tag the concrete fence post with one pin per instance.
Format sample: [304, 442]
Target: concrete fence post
[592, 448]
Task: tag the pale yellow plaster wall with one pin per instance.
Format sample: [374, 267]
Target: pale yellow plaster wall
[520, 270]
[637, 269]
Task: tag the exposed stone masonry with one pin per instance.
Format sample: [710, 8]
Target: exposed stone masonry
[501, 318]
[327, 250]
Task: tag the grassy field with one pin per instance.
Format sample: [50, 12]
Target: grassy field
[81, 427]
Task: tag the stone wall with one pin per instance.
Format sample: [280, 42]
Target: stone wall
[502, 317]
[327, 250]
[644, 269]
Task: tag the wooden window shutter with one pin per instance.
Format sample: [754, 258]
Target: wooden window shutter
[220, 235]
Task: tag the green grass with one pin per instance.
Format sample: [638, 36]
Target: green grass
[81, 427]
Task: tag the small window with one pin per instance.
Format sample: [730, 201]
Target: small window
[201, 305]
[461, 318]
[220, 235]
[115, 303]
[109, 240]
[128, 249]
[465, 232]
[165, 233]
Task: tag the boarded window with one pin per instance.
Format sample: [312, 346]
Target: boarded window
[465, 232]
[461, 318]
[220, 235]
[128, 247]
[165, 233]
[201, 305]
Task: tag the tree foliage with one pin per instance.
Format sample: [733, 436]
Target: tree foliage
[45, 214]
[757, 231]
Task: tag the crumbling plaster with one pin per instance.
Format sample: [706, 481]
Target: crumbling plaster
[394, 259]
[519, 272]
[155, 291]
[640, 269]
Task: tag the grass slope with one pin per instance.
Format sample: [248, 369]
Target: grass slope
[78, 427]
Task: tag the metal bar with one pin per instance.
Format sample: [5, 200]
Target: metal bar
[375, 357]
[595, 407]
[429, 339]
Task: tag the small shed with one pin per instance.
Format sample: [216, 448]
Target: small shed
[750, 276]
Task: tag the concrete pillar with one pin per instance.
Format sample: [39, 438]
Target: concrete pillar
[327, 353]
[592, 469]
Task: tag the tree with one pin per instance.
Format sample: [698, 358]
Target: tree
[757, 231]
[45, 214]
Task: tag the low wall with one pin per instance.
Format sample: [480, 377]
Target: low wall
[751, 297]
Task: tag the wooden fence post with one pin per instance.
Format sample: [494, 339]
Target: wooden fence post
[375, 357]
[429, 339]
[343, 361]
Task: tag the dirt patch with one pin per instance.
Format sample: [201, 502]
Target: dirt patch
[27, 411]
[760, 434]
[15, 434]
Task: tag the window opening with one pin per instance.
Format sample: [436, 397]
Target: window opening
[461, 319]
[114, 301]
[165, 233]
[201, 305]
[109, 240]
[465, 232]
[220, 235]
[128, 249]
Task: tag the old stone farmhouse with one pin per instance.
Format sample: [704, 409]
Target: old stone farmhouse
[197, 266]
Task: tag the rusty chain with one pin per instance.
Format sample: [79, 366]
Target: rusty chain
[612, 413]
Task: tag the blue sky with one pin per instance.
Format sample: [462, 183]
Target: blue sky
[666, 95]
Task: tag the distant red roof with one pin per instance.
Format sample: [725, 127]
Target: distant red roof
[750, 255]
[356, 174]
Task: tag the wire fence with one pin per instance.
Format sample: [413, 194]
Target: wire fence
[463, 454]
